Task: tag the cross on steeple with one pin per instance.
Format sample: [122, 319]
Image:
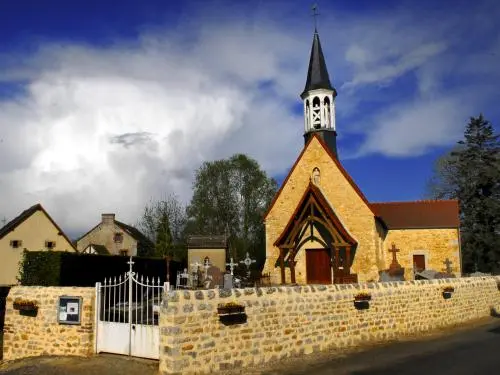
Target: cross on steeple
[315, 15]
[448, 264]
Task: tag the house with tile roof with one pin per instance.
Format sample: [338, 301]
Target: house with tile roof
[33, 230]
[114, 237]
[321, 229]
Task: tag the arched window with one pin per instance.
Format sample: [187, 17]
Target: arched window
[326, 111]
[316, 116]
[316, 176]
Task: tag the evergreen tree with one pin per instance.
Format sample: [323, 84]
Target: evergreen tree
[477, 168]
[163, 244]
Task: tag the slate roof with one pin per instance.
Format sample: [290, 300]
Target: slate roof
[134, 232]
[317, 74]
[207, 242]
[26, 214]
[418, 214]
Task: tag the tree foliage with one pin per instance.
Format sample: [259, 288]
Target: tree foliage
[444, 181]
[471, 173]
[231, 196]
[163, 222]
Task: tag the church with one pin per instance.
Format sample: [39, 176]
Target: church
[321, 229]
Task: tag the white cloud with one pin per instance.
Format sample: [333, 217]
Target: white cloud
[106, 129]
[411, 130]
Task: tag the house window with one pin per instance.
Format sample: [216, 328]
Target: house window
[15, 244]
[118, 238]
[124, 252]
[50, 244]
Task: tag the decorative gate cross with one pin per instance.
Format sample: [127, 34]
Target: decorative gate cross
[448, 264]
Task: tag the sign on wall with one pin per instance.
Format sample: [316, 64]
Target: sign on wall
[69, 310]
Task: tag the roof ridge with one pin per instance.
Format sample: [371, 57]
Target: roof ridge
[418, 201]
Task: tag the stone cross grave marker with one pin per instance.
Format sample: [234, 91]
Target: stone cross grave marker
[182, 279]
[248, 262]
[195, 267]
[206, 265]
[448, 264]
[394, 251]
[232, 266]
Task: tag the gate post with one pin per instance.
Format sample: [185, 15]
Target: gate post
[97, 306]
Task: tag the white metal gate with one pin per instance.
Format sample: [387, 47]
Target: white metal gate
[127, 315]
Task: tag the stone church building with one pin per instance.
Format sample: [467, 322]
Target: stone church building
[321, 229]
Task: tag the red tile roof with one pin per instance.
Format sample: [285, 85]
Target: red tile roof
[418, 214]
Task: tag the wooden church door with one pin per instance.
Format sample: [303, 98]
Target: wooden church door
[318, 266]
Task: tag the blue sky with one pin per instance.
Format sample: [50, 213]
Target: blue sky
[103, 107]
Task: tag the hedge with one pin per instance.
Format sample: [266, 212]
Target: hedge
[54, 268]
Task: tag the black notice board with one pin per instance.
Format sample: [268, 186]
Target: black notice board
[69, 310]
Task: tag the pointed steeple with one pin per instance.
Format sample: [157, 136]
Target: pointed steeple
[317, 74]
[319, 99]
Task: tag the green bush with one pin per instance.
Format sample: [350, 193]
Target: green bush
[41, 268]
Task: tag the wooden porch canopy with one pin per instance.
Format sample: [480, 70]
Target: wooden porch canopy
[313, 211]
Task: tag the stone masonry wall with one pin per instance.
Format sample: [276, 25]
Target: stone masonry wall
[295, 320]
[26, 336]
[436, 245]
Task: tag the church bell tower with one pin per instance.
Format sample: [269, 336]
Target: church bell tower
[319, 99]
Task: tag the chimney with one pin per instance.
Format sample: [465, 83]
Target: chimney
[108, 219]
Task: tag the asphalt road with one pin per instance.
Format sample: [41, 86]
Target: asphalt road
[470, 350]
[473, 351]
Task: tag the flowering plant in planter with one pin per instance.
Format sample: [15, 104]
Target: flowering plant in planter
[230, 308]
[363, 296]
[23, 304]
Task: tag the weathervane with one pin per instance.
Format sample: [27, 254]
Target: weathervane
[315, 14]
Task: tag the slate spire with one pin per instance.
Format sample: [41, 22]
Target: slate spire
[317, 74]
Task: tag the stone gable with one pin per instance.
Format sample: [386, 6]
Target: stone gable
[350, 207]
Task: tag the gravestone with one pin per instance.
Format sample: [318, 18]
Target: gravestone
[214, 278]
[387, 276]
[228, 281]
[479, 274]
[395, 271]
[426, 275]
[183, 279]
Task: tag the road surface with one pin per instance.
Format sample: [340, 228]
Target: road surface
[472, 351]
